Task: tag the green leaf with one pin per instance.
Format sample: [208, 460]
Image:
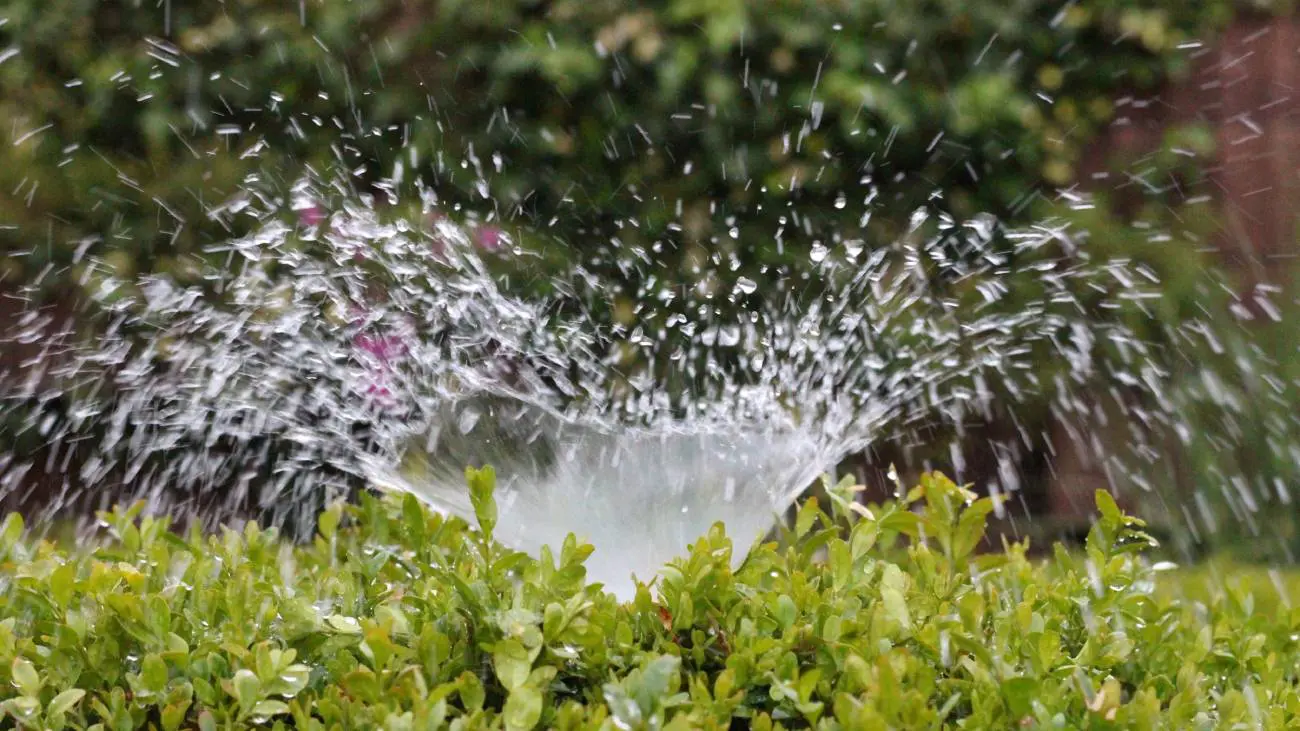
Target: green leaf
[173, 715]
[512, 663]
[472, 694]
[25, 710]
[364, 684]
[247, 689]
[971, 526]
[62, 583]
[11, 530]
[863, 538]
[832, 629]
[1020, 693]
[1109, 509]
[482, 485]
[625, 711]
[63, 702]
[414, 518]
[901, 521]
[840, 561]
[552, 620]
[892, 585]
[786, 612]
[153, 673]
[25, 677]
[291, 681]
[328, 522]
[896, 607]
[266, 709]
[655, 681]
[893, 578]
[344, 625]
[177, 646]
[807, 515]
[523, 708]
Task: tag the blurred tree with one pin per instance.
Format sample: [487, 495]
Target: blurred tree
[698, 124]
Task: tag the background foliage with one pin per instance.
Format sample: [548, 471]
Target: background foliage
[580, 121]
[682, 141]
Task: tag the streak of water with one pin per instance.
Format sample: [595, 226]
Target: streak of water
[366, 348]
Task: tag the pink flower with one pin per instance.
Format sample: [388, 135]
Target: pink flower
[380, 397]
[489, 238]
[312, 215]
[384, 348]
[358, 315]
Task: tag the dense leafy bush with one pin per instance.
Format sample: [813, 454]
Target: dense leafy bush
[880, 616]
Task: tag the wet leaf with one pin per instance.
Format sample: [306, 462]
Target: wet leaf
[512, 663]
[808, 513]
[25, 677]
[471, 691]
[247, 689]
[1110, 512]
[624, 710]
[153, 673]
[482, 484]
[523, 708]
[65, 701]
[1020, 693]
[267, 709]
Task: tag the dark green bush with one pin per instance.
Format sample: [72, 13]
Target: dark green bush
[865, 617]
[129, 123]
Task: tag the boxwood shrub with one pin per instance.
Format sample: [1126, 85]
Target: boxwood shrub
[858, 617]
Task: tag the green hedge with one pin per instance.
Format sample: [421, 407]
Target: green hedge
[863, 617]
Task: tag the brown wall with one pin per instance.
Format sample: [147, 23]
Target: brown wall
[1246, 87]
